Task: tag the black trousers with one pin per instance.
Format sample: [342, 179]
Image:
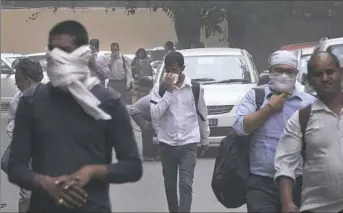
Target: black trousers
[264, 196]
[182, 160]
[149, 148]
[120, 87]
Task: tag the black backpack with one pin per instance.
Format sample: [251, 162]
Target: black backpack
[195, 90]
[231, 169]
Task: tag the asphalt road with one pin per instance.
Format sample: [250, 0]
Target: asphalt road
[147, 195]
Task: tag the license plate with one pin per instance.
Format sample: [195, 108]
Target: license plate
[213, 122]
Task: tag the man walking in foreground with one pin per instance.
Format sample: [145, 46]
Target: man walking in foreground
[28, 76]
[264, 124]
[181, 124]
[316, 134]
[68, 129]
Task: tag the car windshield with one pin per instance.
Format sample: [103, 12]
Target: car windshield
[337, 50]
[216, 68]
[41, 59]
[303, 67]
[11, 59]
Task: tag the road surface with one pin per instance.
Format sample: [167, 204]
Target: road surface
[147, 195]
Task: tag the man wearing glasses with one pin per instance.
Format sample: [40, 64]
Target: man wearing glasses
[265, 126]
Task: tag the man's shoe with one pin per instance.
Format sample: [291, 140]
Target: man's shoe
[3, 205]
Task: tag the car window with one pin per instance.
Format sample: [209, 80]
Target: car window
[156, 55]
[41, 59]
[303, 67]
[253, 64]
[337, 50]
[5, 69]
[221, 67]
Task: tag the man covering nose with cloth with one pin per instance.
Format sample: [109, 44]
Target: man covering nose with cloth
[265, 125]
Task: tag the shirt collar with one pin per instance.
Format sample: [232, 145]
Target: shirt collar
[187, 81]
[295, 94]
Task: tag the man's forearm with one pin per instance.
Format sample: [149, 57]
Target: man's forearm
[254, 120]
[22, 176]
[138, 120]
[286, 190]
[158, 109]
[121, 172]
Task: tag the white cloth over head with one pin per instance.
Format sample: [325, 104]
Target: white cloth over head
[71, 71]
[284, 57]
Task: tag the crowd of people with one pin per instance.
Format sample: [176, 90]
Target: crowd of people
[63, 132]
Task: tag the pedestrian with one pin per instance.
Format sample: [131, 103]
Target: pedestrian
[99, 63]
[28, 76]
[169, 46]
[68, 129]
[181, 124]
[317, 138]
[265, 126]
[140, 67]
[120, 75]
[140, 113]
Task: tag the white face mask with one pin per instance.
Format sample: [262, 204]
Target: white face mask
[282, 83]
[63, 66]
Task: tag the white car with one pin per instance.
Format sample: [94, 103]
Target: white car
[226, 74]
[8, 87]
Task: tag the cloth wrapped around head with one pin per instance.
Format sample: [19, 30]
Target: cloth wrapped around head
[71, 71]
[283, 67]
[284, 57]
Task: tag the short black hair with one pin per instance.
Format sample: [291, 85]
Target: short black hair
[72, 28]
[311, 61]
[170, 45]
[141, 50]
[30, 69]
[174, 57]
[115, 44]
[95, 42]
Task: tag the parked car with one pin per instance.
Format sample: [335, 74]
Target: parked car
[335, 45]
[8, 87]
[226, 74]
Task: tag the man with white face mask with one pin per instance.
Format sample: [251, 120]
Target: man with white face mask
[265, 127]
[69, 129]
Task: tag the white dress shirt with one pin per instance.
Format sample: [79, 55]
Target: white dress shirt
[322, 189]
[175, 113]
[11, 112]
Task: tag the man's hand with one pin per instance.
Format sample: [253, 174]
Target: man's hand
[80, 178]
[277, 102]
[290, 208]
[169, 82]
[146, 126]
[64, 197]
[203, 150]
[92, 63]
[129, 86]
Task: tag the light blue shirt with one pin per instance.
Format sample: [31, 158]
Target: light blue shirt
[265, 138]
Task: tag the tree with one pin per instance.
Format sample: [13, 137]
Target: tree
[189, 18]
